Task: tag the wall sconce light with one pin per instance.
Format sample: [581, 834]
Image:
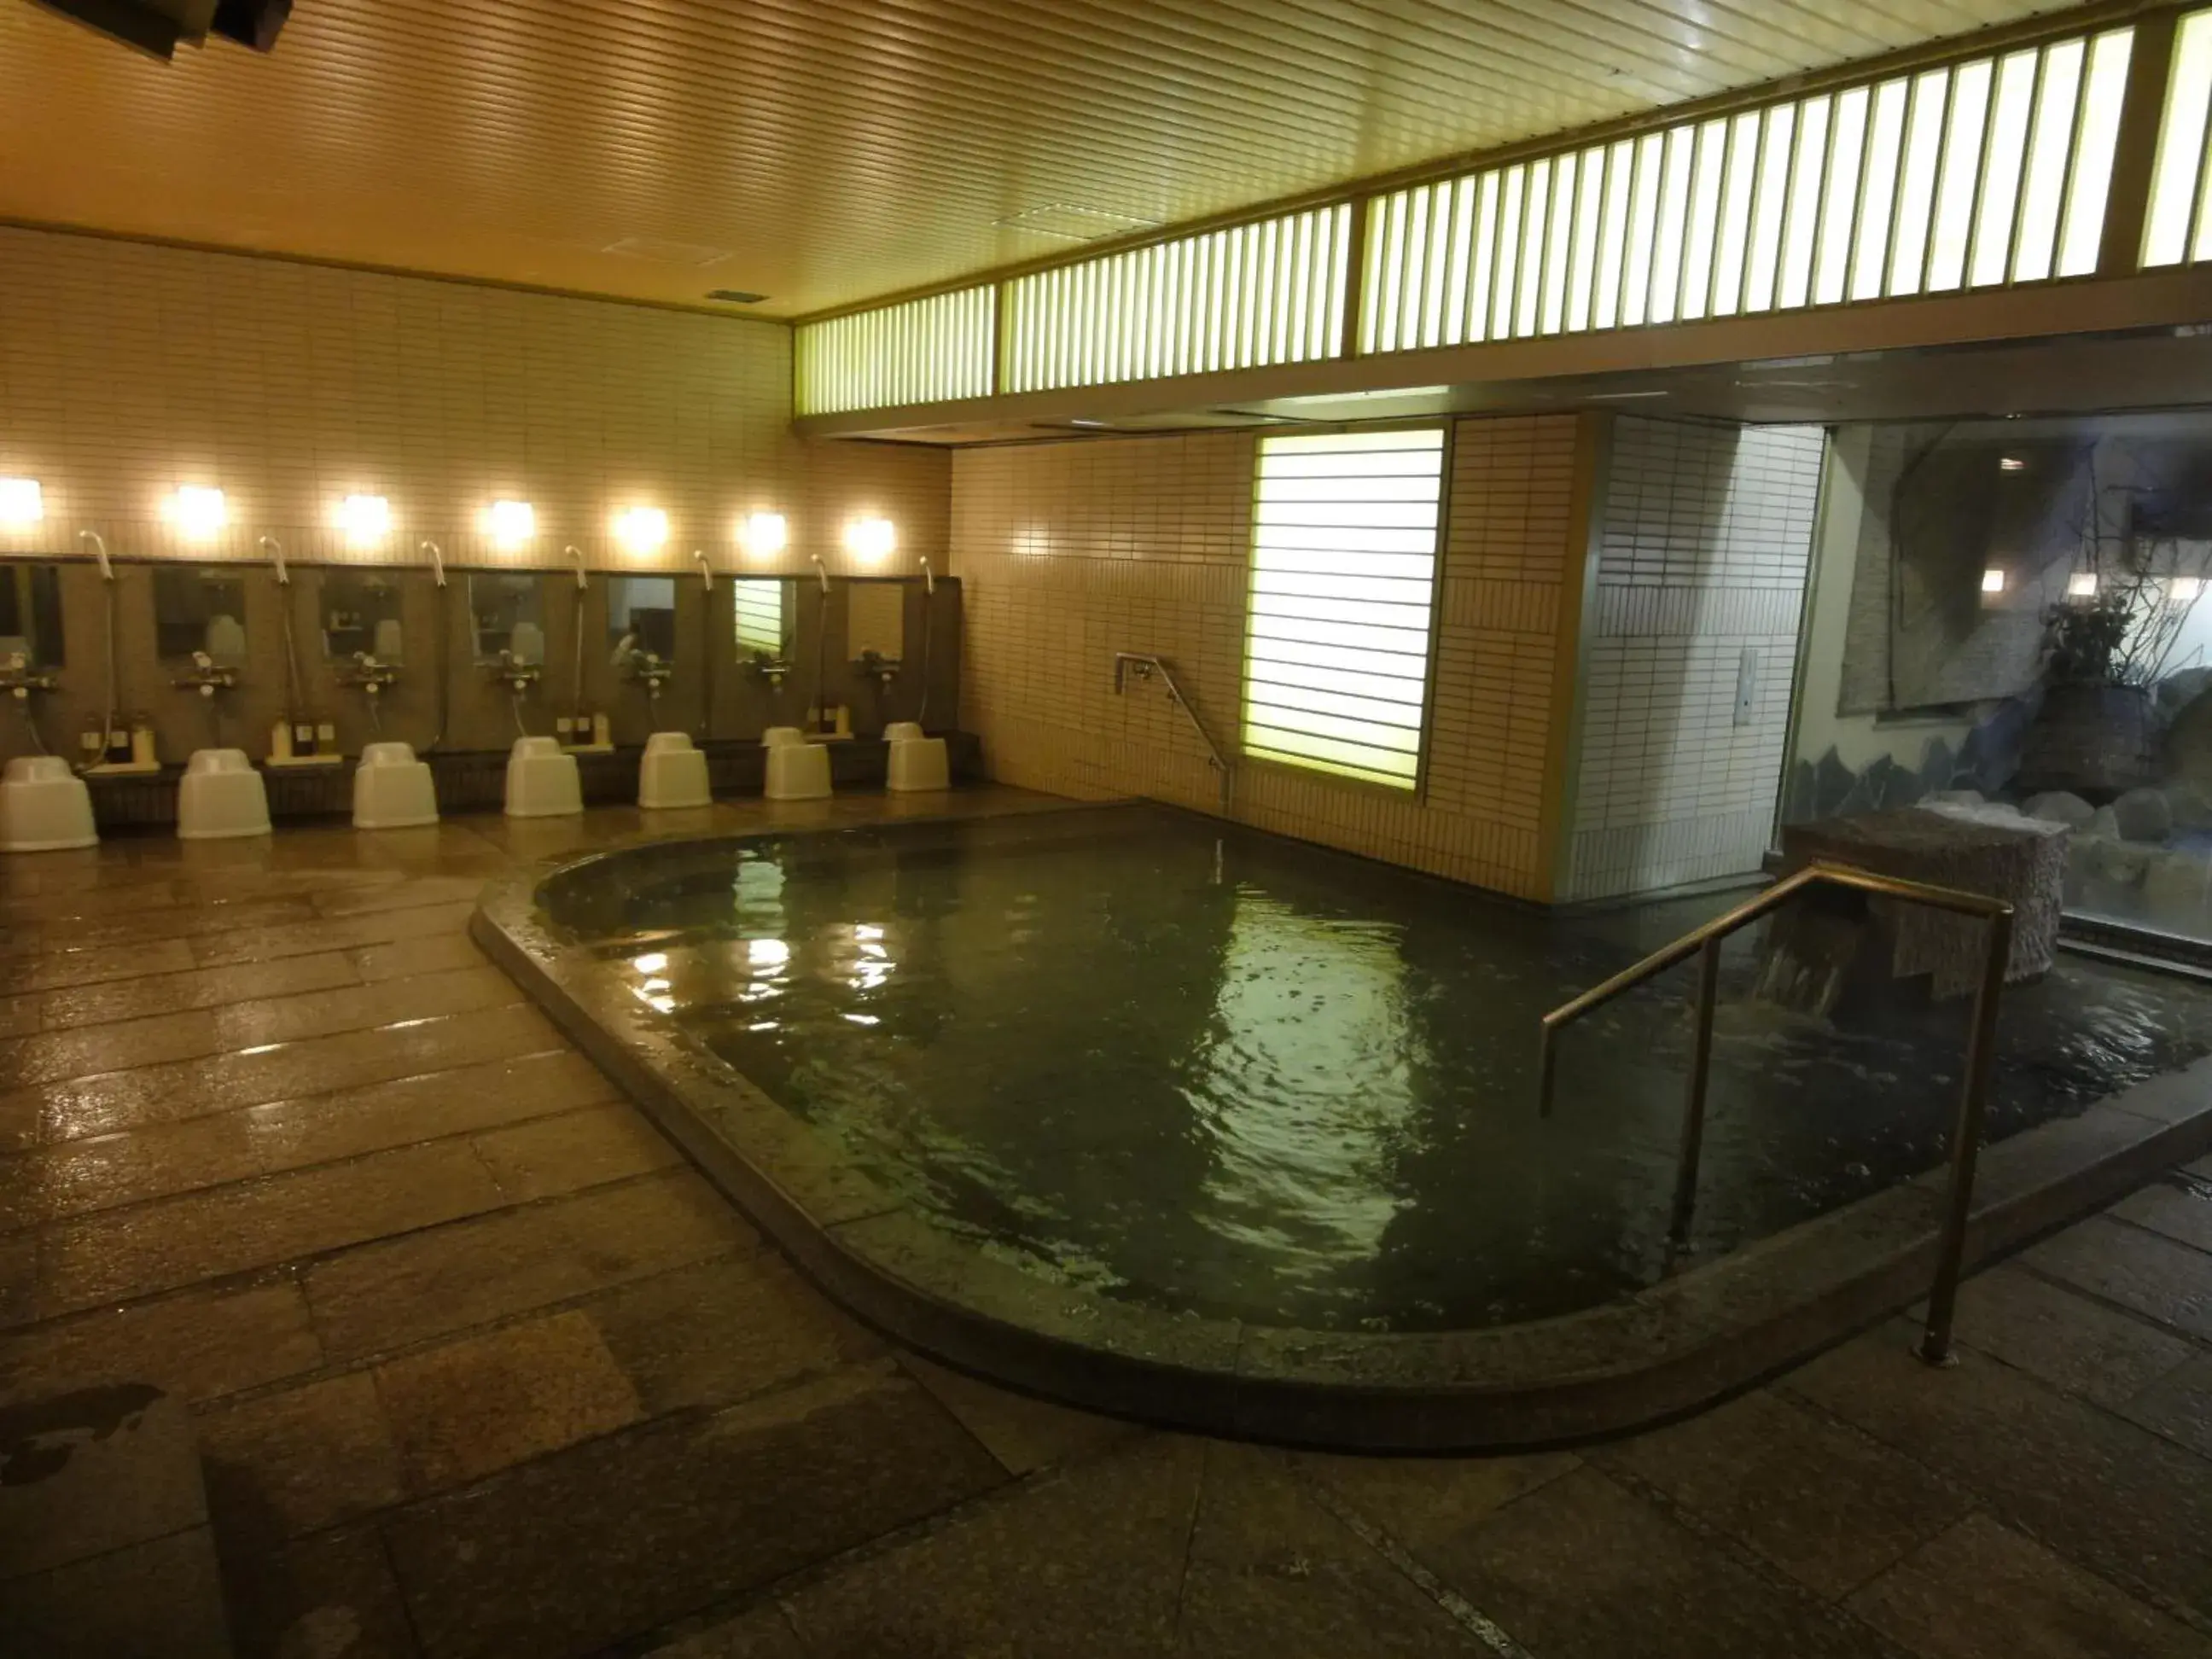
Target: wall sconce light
[21, 502]
[871, 538]
[764, 535]
[2081, 585]
[1993, 580]
[511, 523]
[365, 519]
[197, 512]
[641, 529]
[2011, 463]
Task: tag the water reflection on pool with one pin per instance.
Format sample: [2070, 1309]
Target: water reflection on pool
[1216, 1069]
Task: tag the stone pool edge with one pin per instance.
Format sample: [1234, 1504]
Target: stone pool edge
[1671, 1349]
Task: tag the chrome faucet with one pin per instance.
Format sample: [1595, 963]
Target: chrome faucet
[19, 679]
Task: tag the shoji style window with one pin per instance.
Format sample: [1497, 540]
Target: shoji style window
[1344, 574]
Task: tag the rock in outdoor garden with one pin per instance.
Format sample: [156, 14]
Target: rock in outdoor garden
[2120, 862]
[2192, 808]
[2176, 882]
[2103, 821]
[2056, 806]
[2143, 815]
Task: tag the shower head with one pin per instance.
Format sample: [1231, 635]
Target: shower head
[928, 578]
[821, 571]
[277, 554]
[577, 553]
[437, 560]
[706, 568]
[98, 551]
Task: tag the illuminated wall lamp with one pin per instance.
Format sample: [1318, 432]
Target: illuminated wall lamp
[871, 538]
[365, 519]
[1993, 580]
[2081, 585]
[764, 535]
[21, 502]
[511, 523]
[642, 529]
[197, 512]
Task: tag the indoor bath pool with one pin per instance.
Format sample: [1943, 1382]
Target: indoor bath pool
[1221, 1075]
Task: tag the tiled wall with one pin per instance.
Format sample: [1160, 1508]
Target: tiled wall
[1072, 551]
[126, 369]
[1705, 539]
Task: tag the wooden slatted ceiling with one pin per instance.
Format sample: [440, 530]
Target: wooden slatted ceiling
[823, 151]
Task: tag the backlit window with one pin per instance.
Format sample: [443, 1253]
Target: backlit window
[1344, 559]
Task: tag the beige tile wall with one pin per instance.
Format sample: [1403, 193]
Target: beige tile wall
[1072, 551]
[126, 369]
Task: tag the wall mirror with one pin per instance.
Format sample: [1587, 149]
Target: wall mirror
[361, 615]
[641, 616]
[506, 610]
[200, 609]
[875, 621]
[765, 618]
[31, 614]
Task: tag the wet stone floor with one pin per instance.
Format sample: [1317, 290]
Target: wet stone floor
[479, 1366]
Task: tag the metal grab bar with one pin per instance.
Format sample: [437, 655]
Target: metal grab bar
[1147, 665]
[1705, 942]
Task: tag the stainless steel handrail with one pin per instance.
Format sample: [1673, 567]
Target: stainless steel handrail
[1147, 665]
[1705, 942]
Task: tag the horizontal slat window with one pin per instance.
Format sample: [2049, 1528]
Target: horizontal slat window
[1344, 561]
[760, 617]
[2178, 230]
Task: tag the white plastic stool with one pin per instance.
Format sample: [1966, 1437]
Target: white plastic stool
[44, 806]
[221, 796]
[903, 731]
[542, 782]
[797, 769]
[918, 765]
[392, 790]
[672, 775]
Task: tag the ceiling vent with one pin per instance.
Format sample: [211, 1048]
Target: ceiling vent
[735, 296]
[660, 251]
[1074, 224]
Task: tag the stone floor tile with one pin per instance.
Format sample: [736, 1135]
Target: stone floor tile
[18, 1279]
[2067, 1338]
[405, 894]
[762, 1633]
[2181, 1210]
[461, 1411]
[725, 1330]
[161, 1599]
[549, 1156]
[19, 1016]
[2179, 1405]
[226, 1230]
[1082, 1562]
[199, 1345]
[1431, 1504]
[400, 957]
[301, 1459]
[92, 1470]
[674, 1515]
[88, 1051]
[56, 970]
[1022, 1432]
[106, 1172]
[1982, 1591]
[357, 1007]
[2146, 1271]
[328, 934]
[1580, 1569]
[1823, 1502]
[186, 920]
[197, 988]
[2114, 1497]
[331, 1595]
[316, 1065]
[1272, 1575]
[387, 1295]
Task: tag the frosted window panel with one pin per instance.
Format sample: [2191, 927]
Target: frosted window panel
[2089, 180]
[1582, 270]
[1558, 242]
[1958, 177]
[1770, 203]
[1878, 195]
[1344, 553]
[1643, 221]
[1484, 271]
[1697, 249]
[1840, 196]
[2006, 150]
[1737, 196]
[2052, 140]
[1674, 217]
[1807, 172]
[1535, 222]
[2180, 143]
[1612, 234]
[1508, 259]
